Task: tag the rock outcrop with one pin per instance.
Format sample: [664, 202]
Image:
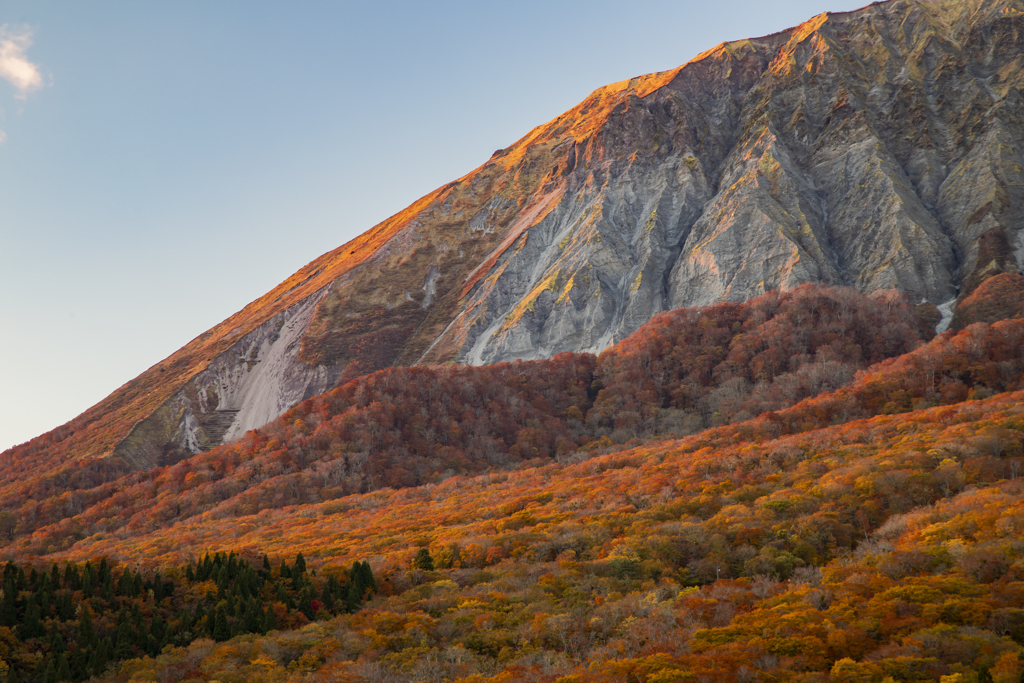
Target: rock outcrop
[255, 380]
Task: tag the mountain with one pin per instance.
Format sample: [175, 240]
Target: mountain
[875, 149]
[796, 455]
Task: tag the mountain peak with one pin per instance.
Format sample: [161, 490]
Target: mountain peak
[877, 149]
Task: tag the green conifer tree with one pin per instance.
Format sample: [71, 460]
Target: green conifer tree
[423, 560]
[254, 617]
[223, 578]
[198, 616]
[91, 663]
[63, 669]
[66, 608]
[139, 627]
[45, 602]
[158, 628]
[88, 580]
[32, 626]
[354, 597]
[158, 586]
[71, 578]
[56, 640]
[306, 604]
[368, 577]
[77, 661]
[9, 606]
[103, 654]
[124, 639]
[107, 592]
[202, 573]
[242, 584]
[103, 573]
[221, 630]
[86, 630]
[269, 620]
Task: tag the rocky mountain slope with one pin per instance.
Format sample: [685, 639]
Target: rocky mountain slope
[877, 149]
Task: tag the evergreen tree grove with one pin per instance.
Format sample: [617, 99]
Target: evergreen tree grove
[128, 614]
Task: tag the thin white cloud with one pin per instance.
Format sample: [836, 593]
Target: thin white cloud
[3, 137]
[14, 66]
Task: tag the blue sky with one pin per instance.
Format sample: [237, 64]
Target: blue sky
[164, 164]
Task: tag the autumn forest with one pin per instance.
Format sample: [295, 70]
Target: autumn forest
[808, 486]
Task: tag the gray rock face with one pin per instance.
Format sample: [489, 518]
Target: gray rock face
[250, 384]
[869, 149]
[593, 266]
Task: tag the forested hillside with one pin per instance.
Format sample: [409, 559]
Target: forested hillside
[678, 374]
[820, 484]
[885, 547]
[620, 518]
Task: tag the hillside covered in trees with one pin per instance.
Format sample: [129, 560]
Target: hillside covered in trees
[800, 487]
[811, 486]
[680, 373]
[887, 546]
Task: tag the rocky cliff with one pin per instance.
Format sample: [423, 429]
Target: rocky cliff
[879, 149]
